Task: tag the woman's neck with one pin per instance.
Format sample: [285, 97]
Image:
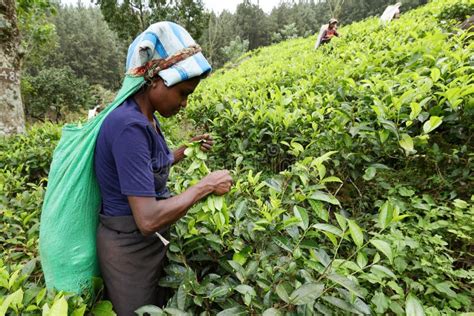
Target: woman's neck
[144, 105]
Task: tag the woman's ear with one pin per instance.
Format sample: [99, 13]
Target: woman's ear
[157, 82]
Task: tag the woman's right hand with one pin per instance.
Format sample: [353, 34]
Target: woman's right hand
[220, 180]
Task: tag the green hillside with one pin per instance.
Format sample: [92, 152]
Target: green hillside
[353, 168]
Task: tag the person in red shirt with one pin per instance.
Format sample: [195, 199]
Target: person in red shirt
[330, 32]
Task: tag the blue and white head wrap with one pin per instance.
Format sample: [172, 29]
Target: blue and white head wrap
[160, 41]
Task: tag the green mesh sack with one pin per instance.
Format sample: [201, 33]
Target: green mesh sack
[70, 210]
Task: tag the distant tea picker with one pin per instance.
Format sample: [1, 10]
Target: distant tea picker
[390, 13]
[326, 33]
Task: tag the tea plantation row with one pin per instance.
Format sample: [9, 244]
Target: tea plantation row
[353, 182]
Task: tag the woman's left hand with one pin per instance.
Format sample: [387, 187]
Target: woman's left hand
[206, 141]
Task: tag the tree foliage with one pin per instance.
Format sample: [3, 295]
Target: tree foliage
[37, 31]
[129, 18]
[53, 92]
[82, 52]
[88, 46]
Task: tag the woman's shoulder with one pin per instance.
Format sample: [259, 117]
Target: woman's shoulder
[126, 115]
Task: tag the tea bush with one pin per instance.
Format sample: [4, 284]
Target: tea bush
[30, 155]
[458, 11]
[353, 183]
[393, 106]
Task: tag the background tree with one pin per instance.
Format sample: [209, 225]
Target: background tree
[38, 33]
[88, 46]
[236, 48]
[289, 31]
[53, 92]
[335, 7]
[11, 108]
[252, 24]
[81, 52]
[127, 18]
[220, 32]
[190, 14]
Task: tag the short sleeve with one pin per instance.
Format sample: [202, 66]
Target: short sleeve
[132, 154]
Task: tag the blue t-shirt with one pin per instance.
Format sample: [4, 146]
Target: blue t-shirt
[131, 159]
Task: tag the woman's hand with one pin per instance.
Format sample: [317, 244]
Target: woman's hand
[206, 144]
[206, 141]
[220, 181]
[151, 214]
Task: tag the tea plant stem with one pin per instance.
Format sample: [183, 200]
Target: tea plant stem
[363, 246]
[340, 186]
[359, 271]
[355, 186]
[333, 258]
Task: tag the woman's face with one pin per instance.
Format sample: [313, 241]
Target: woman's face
[169, 100]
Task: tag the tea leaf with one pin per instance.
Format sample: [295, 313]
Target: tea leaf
[413, 306]
[341, 220]
[345, 282]
[385, 215]
[445, 287]
[272, 312]
[328, 228]
[59, 307]
[326, 197]
[14, 298]
[301, 214]
[79, 311]
[361, 259]
[307, 293]
[381, 302]
[432, 124]
[369, 173]
[282, 293]
[407, 143]
[341, 304]
[237, 310]
[356, 233]
[219, 291]
[282, 242]
[435, 74]
[383, 270]
[383, 247]
[103, 308]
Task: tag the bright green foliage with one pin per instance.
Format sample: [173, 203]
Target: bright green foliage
[30, 155]
[392, 108]
[353, 182]
[380, 92]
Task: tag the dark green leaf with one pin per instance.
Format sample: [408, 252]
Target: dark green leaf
[307, 293]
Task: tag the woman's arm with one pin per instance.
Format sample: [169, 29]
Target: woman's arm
[206, 145]
[151, 215]
[178, 154]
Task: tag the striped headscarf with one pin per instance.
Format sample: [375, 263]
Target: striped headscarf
[167, 50]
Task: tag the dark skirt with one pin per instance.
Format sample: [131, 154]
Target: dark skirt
[131, 264]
